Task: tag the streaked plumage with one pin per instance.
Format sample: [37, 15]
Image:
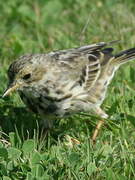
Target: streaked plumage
[64, 82]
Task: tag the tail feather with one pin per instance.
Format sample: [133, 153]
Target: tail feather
[124, 56]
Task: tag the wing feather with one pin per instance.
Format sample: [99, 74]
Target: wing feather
[83, 64]
[90, 72]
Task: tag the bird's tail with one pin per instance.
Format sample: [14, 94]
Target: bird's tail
[124, 57]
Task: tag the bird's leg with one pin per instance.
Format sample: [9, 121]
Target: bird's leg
[45, 127]
[47, 124]
[46, 120]
[104, 116]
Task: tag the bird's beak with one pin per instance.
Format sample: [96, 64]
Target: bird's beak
[10, 89]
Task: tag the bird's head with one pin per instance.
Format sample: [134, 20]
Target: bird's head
[24, 73]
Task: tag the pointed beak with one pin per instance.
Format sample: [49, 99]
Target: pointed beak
[10, 89]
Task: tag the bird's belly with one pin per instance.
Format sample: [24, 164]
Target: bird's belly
[70, 102]
[44, 105]
[49, 107]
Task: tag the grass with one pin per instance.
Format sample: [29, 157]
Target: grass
[41, 26]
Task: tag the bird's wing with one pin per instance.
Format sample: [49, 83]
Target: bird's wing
[90, 72]
[84, 63]
[66, 55]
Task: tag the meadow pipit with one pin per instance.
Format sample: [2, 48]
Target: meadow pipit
[65, 82]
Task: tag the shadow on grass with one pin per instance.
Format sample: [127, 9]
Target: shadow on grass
[12, 118]
[19, 119]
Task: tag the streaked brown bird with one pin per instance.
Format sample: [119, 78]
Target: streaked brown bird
[64, 82]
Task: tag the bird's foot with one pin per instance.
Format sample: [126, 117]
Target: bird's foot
[103, 116]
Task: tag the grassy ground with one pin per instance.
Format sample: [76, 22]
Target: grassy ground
[41, 26]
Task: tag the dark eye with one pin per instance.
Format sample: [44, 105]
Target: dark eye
[27, 76]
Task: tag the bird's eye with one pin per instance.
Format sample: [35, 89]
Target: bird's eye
[27, 76]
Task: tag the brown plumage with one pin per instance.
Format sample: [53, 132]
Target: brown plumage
[64, 82]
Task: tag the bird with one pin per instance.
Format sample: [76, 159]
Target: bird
[61, 83]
